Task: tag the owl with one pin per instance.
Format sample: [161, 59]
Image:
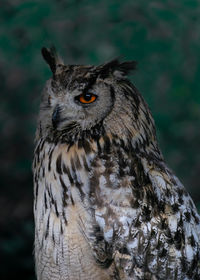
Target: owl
[106, 205]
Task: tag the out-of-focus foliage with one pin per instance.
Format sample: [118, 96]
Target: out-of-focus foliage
[163, 36]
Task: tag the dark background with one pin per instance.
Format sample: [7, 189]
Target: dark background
[163, 36]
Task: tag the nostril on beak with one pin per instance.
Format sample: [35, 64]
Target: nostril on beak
[56, 116]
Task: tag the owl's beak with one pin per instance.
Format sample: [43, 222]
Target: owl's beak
[56, 116]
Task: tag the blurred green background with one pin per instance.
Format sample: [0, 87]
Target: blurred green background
[163, 36]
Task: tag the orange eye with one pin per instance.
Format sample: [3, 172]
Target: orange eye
[87, 98]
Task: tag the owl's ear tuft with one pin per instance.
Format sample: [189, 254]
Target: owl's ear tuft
[52, 58]
[124, 68]
[118, 69]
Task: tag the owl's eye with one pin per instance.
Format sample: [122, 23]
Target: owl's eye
[86, 98]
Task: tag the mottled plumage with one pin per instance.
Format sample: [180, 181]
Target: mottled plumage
[106, 205]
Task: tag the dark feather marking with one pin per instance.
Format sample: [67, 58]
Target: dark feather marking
[184, 264]
[124, 250]
[36, 189]
[40, 129]
[86, 146]
[192, 241]
[77, 183]
[53, 237]
[178, 239]
[163, 253]
[79, 186]
[70, 144]
[64, 216]
[152, 199]
[134, 204]
[112, 94]
[45, 201]
[56, 118]
[72, 200]
[175, 207]
[67, 171]
[65, 189]
[65, 196]
[62, 249]
[137, 223]
[56, 208]
[80, 143]
[36, 194]
[50, 158]
[187, 216]
[77, 162]
[163, 224]
[61, 230]
[58, 164]
[107, 145]
[146, 211]
[50, 193]
[180, 192]
[64, 168]
[180, 200]
[85, 164]
[63, 184]
[168, 235]
[99, 148]
[73, 169]
[47, 228]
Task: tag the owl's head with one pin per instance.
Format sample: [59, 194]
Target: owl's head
[88, 101]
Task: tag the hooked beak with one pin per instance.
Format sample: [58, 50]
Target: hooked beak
[56, 116]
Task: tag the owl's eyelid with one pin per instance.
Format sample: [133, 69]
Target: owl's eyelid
[92, 94]
[88, 92]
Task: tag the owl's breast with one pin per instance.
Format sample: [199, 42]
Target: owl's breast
[72, 256]
[63, 219]
[65, 251]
